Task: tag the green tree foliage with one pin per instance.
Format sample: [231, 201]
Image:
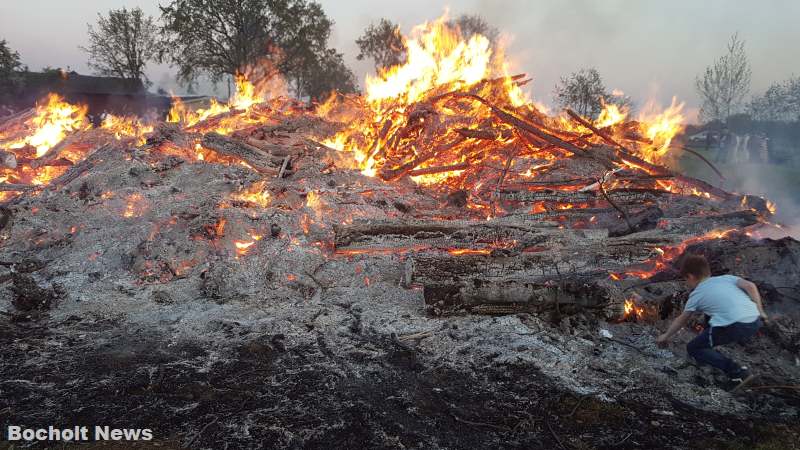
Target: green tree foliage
[584, 92]
[123, 43]
[781, 102]
[724, 85]
[10, 68]
[223, 37]
[329, 73]
[383, 43]
[472, 24]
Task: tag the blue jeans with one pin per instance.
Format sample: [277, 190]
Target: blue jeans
[701, 348]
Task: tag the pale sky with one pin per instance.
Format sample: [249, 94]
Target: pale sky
[649, 49]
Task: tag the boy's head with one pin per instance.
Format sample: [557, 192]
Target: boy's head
[695, 269]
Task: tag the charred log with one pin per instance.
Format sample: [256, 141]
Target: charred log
[253, 156]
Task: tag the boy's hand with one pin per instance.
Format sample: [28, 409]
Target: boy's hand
[662, 340]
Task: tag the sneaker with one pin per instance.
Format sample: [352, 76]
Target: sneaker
[740, 374]
[742, 378]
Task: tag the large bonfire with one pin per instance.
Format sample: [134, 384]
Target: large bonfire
[465, 165]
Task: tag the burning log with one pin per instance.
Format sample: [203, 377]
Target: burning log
[20, 116]
[570, 258]
[399, 172]
[486, 134]
[271, 148]
[253, 156]
[92, 160]
[595, 130]
[55, 152]
[521, 124]
[438, 169]
[16, 187]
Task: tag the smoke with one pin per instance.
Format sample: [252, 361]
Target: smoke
[770, 183]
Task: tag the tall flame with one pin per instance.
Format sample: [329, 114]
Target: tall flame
[610, 115]
[53, 121]
[438, 60]
[436, 56]
[661, 128]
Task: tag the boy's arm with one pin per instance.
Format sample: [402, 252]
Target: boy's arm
[752, 291]
[676, 325]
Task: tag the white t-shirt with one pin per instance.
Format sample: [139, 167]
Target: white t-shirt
[723, 300]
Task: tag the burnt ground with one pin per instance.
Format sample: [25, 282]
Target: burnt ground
[125, 301]
[270, 393]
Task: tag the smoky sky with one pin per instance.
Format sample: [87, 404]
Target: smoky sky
[648, 49]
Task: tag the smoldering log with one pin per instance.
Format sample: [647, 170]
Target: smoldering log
[621, 195]
[255, 157]
[646, 219]
[273, 149]
[502, 297]
[545, 264]
[453, 234]
[704, 223]
[21, 116]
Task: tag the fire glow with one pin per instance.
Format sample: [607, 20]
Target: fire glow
[402, 128]
[53, 121]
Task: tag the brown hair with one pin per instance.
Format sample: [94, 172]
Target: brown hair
[696, 265]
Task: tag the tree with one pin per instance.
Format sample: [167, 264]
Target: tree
[222, 37]
[123, 44]
[584, 92]
[781, 102]
[10, 68]
[383, 43]
[472, 24]
[723, 85]
[330, 73]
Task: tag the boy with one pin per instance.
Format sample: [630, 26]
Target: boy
[734, 305]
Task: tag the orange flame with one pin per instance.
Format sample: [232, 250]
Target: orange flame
[660, 128]
[243, 99]
[126, 127]
[632, 310]
[53, 121]
[136, 204]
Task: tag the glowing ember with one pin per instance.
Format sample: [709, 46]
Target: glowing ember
[633, 311]
[664, 255]
[256, 194]
[135, 206]
[242, 247]
[771, 207]
[469, 251]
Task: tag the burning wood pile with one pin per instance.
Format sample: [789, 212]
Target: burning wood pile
[442, 176]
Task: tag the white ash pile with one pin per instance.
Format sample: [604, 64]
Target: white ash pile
[438, 200]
